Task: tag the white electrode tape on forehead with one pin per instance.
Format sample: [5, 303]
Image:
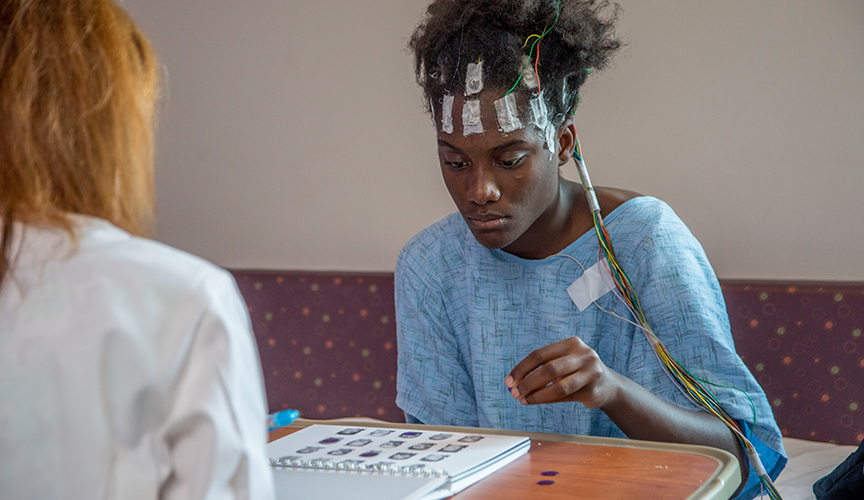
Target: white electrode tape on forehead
[541, 121]
[550, 138]
[529, 77]
[508, 115]
[447, 114]
[539, 112]
[474, 78]
[471, 122]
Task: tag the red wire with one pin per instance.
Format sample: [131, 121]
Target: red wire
[536, 62]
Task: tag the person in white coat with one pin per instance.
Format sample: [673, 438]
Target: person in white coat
[128, 369]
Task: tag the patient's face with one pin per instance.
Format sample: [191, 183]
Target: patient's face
[501, 182]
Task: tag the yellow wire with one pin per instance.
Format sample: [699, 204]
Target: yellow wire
[529, 39]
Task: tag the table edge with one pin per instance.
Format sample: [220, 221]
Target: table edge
[719, 486]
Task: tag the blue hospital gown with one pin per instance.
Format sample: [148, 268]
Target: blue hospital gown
[466, 315]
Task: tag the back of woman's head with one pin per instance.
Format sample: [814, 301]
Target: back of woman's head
[577, 36]
[78, 82]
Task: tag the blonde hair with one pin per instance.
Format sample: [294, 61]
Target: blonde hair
[78, 82]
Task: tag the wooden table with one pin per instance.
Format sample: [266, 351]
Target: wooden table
[590, 467]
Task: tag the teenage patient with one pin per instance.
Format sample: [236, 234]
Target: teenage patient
[127, 368]
[488, 334]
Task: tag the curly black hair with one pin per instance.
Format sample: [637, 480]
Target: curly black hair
[454, 33]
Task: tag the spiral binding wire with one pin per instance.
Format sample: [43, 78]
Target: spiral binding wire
[326, 465]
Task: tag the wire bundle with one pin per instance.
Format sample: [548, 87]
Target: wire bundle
[691, 386]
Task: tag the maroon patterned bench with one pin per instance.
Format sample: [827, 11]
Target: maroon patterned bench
[328, 347]
[803, 342]
[327, 341]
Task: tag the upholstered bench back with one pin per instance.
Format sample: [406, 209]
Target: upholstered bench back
[328, 347]
[327, 341]
[803, 342]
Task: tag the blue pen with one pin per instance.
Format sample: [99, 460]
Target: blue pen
[281, 418]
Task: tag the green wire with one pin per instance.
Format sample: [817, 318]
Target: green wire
[752, 404]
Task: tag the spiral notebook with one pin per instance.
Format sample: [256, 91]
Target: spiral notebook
[331, 462]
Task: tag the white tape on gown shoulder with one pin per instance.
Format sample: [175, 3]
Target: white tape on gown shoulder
[594, 283]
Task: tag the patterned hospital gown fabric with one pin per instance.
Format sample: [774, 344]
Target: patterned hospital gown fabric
[466, 315]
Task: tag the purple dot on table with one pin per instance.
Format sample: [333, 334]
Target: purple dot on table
[545, 482]
[549, 473]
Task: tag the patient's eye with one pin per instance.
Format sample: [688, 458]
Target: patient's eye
[512, 161]
[455, 164]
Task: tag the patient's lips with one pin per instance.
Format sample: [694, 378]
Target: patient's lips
[486, 221]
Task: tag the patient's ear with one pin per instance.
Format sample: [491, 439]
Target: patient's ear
[566, 141]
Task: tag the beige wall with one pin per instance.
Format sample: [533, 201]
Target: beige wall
[292, 134]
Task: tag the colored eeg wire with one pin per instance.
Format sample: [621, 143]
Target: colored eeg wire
[689, 385]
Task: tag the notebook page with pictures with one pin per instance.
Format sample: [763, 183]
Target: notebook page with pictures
[461, 458]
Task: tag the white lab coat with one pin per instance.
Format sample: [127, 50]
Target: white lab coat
[127, 370]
